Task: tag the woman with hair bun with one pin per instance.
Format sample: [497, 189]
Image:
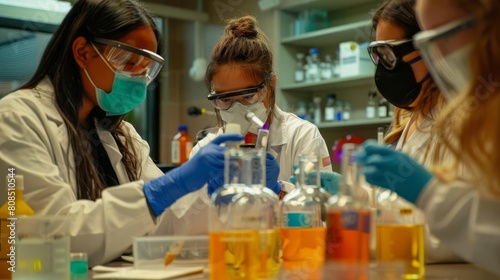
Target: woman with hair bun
[240, 79]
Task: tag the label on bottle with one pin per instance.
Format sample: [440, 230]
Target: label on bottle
[350, 220]
[370, 112]
[189, 147]
[329, 114]
[176, 152]
[302, 219]
[382, 111]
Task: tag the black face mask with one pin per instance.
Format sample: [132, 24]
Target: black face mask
[399, 86]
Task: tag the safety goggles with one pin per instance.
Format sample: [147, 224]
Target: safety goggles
[438, 45]
[390, 52]
[248, 96]
[131, 60]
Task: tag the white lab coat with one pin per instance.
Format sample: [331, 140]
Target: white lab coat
[289, 136]
[469, 224]
[415, 146]
[34, 141]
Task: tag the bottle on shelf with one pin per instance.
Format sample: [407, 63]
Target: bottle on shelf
[371, 107]
[243, 224]
[349, 216]
[301, 110]
[300, 75]
[314, 74]
[303, 215]
[330, 108]
[346, 112]
[311, 108]
[326, 68]
[317, 109]
[181, 145]
[339, 111]
[383, 108]
[15, 190]
[336, 64]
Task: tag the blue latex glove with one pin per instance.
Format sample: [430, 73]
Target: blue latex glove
[329, 180]
[272, 173]
[393, 170]
[192, 175]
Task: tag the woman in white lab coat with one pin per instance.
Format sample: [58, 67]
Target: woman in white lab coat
[240, 78]
[404, 80]
[64, 131]
[460, 46]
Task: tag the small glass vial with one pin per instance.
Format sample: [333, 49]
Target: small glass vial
[300, 74]
[338, 111]
[317, 109]
[330, 108]
[383, 108]
[346, 113]
[371, 108]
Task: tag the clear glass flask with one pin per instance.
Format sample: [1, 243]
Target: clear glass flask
[349, 216]
[244, 239]
[303, 215]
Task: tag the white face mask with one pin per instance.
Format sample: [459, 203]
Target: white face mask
[453, 72]
[237, 112]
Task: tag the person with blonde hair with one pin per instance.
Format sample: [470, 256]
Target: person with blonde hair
[460, 45]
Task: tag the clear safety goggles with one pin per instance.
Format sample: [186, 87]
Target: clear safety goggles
[248, 96]
[131, 60]
[436, 45]
[389, 53]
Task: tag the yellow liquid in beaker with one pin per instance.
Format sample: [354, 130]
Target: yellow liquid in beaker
[244, 254]
[404, 243]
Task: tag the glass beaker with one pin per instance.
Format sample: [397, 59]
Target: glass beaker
[244, 243]
[42, 248]
[400, 238]
[303, 215]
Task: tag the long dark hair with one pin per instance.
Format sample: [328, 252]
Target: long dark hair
[244, 44]
[109, 19]
[402, 14]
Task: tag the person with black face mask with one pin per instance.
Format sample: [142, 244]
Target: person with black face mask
[404, 80]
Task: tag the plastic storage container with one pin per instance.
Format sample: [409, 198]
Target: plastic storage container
[153, 252]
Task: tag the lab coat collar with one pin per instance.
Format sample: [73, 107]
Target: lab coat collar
[279, 135]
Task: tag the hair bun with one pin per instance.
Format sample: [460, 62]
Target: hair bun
[243, 27]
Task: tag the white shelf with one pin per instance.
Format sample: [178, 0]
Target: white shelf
[331, 84]
[357, 31]
[350, 123]
[296, 6]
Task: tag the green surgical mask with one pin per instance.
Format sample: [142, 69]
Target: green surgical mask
[126, 93]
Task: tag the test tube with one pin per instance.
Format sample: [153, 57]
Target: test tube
[251, 117]
[380, 136]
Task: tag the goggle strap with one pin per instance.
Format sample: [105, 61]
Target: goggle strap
[427, 77]
[102, 57]
[416, 59]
